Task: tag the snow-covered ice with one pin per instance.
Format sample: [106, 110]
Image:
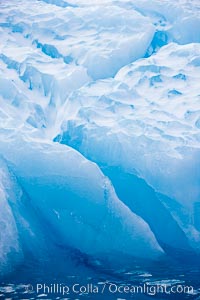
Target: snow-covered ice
[117, 82]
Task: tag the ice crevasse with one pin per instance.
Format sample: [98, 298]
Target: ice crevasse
[99, 127]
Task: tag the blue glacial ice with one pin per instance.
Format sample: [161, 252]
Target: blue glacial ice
[99, 127]
[74, 199]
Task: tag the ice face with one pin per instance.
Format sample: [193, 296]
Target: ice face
[141, 122]
[10, 250]
[117, 82]
[74, 199]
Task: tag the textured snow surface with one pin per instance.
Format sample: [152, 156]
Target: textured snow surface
[117, 82]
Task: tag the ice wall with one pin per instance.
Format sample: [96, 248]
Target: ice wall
[117, 82]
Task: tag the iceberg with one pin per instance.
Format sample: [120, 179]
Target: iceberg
[138, 125]
[73, 198]
[99, 128]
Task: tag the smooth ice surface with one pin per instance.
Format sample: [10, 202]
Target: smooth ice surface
[117, 82]
[10, 250]
[74, 199]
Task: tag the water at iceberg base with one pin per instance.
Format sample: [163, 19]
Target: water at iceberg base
[100, 149]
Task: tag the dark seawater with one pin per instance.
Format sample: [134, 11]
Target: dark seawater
[22, 284]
